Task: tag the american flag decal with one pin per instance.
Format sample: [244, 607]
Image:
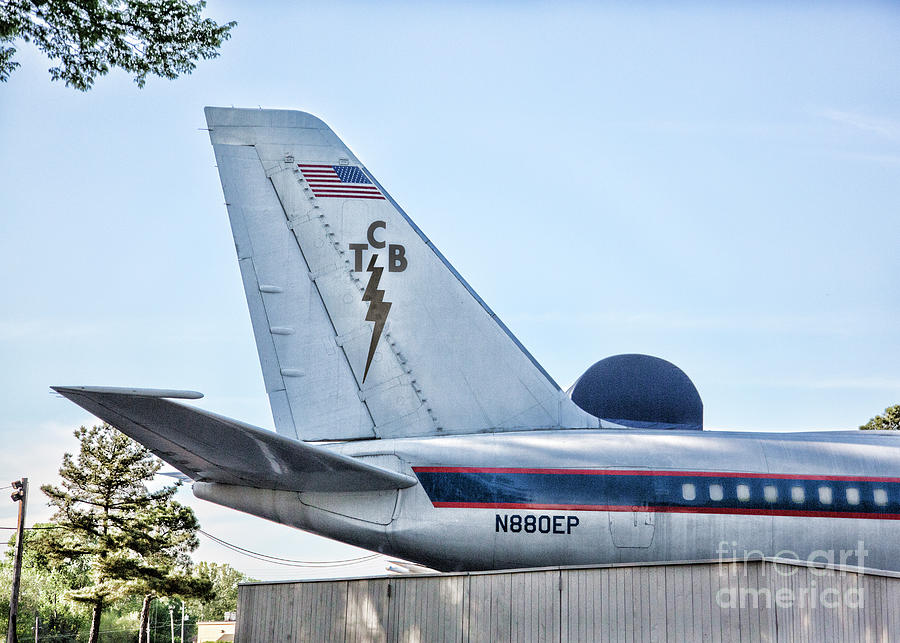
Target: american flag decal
[339, 181]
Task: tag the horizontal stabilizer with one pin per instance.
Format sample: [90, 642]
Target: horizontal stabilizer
[211, 448]
[142, 392]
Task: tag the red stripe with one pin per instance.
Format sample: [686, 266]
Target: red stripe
[329, 192]
[346, 186]
[331, 167]
[361, 195]
[646, 472]
[692, 510]
[344, 190]
[351, 196]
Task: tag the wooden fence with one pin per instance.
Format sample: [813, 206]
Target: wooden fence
[763, 600]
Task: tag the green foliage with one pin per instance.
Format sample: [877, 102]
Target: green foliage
[160, 622]
[887, 421]
[43, 592]
[86, 38]
[112, 544]
[118, 627]
[224, 580]
[129, 540]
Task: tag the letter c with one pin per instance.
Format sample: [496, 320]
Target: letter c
[370, 235]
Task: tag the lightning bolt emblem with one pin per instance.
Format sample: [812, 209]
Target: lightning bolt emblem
[378, 308]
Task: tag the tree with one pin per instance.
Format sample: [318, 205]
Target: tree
[132, 540]
[88, 37]
[44, 590]
[171, 531]
[224, 580]
[888, 421]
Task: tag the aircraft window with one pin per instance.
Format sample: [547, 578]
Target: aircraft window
[688, 491]
[853, 495]
[798, 494]
[825, 495]
[880, 496]
[770, 493]
[716, 492]
[743, 492]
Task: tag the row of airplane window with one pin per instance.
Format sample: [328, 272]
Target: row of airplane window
[798, 494]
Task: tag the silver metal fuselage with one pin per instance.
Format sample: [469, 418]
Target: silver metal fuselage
[574, 497]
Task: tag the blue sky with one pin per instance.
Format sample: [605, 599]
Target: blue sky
[715, 185]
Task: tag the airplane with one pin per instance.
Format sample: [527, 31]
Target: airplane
[410, 421]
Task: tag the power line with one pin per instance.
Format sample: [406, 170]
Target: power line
[287, 561]
[275, 560]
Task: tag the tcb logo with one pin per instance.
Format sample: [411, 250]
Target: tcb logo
[396, 252]
[378, 307]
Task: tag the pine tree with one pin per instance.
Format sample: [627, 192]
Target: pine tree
[132, 540]
[887, 421]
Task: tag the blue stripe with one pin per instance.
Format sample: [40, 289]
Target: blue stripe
[651, 491]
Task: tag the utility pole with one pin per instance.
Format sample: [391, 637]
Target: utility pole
[172, 621]
[20, 495]
[37, 627]
[182, 620]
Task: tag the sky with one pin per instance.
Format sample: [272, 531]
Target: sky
[714, 184]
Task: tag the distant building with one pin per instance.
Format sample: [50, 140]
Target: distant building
[208, 631]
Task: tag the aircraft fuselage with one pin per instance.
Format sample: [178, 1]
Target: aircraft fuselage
[574, 497]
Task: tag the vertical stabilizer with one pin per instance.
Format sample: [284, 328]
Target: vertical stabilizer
[364, 330]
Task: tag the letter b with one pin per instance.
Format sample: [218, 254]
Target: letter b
[397, 258]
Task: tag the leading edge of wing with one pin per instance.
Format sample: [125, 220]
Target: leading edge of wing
[212, 448]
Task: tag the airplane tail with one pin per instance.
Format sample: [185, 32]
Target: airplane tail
[364, 330]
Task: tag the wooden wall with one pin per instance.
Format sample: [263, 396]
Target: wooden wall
[754, 601]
